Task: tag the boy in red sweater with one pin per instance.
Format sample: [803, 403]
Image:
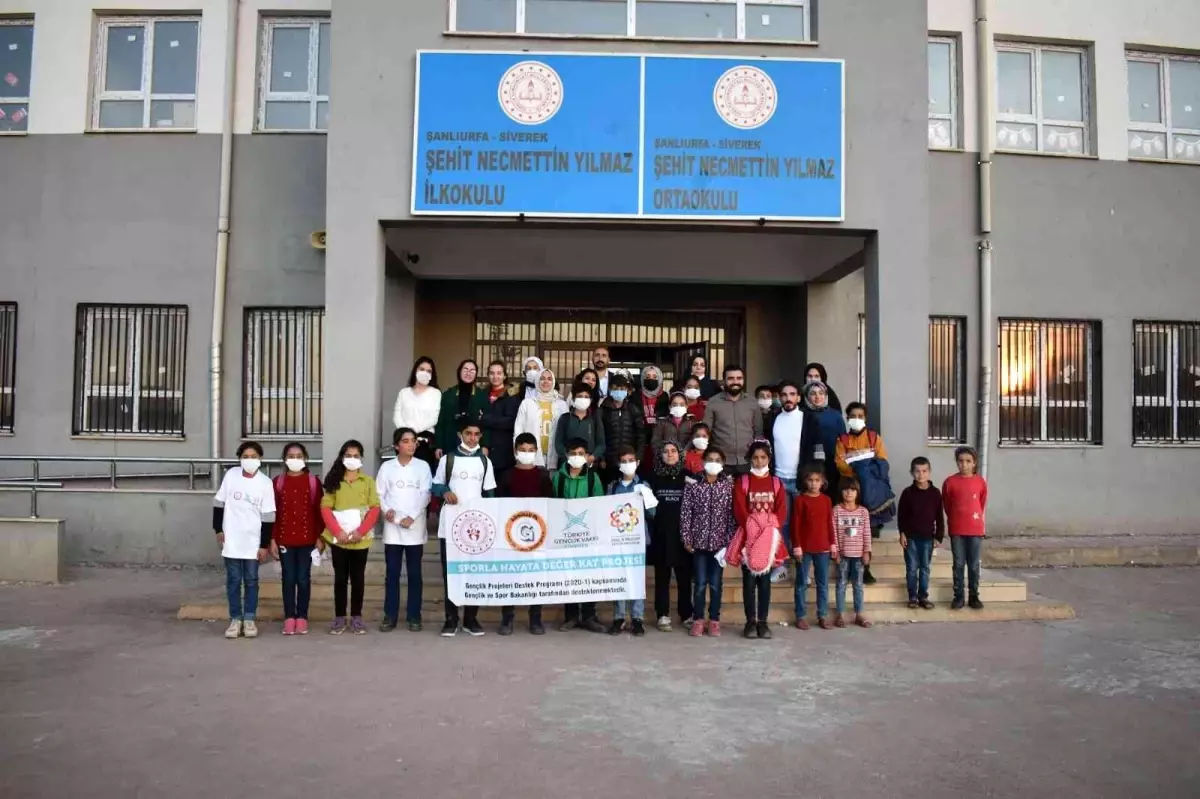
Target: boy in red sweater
[964, 496]
[525, 479]
[813, 542]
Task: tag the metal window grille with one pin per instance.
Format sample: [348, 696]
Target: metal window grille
[16, 61]
[947, 379]
[159, 90]
[293, 74]
[8, 365]
[943, 116]
[284, 389]
[1049, 373]
[1166, 382]
[130, 367]
[1162, 125]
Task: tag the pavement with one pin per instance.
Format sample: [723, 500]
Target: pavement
[103, 693]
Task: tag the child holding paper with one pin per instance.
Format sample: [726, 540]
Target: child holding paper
[706, 525]
[349, 509]
[629, 483]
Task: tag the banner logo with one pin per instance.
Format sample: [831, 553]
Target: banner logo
[575, 520]
[474, 532]
[745, 97]
[525, 531]
[530, 93]
[624, 519]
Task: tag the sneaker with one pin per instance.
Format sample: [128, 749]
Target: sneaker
[802, 624]
[357, 627]
[234, 630]
[974, 604]
[957, 604]
[338, 626]
[568, 625]
[289, 627]
[472, 628]
[868, 578]
[912, 603]
[414, 625]
[764, 630]
[616, 627]
[450, 628]
[664, 624]
[639, 629]
[593, 625]
[506, 627]
[926, 604]
[387, 625]
[697, 629]
[537, 628]
[687, 623]
[301, 626]
[250, 629]
[750, 630]
[714, 629]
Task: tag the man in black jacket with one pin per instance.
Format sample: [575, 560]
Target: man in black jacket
[624, 425]
[499, 418]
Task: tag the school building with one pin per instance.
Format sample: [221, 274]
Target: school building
[229, 219]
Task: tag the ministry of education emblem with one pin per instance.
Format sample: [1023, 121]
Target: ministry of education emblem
[745, 97]
[530, 93]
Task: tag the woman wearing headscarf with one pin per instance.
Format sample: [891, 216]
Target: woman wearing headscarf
[531, 369]
[666, 547]
[538, 415]
[464, 400]
[652, 401]
[830, 424]
[816, 372]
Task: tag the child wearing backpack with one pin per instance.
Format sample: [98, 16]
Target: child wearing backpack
[861, 454]
[759, 506]
[297, 531]
[628, 482]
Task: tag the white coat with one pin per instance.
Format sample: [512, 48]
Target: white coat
[529, 420]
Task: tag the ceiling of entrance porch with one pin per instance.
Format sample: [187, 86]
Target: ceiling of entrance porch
[453, 252]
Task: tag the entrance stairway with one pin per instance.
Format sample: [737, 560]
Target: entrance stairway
[1005, 598]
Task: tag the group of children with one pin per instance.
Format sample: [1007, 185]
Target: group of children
[700, 518]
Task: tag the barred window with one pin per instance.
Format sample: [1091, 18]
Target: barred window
[947, 379]
[284, 376]
[8, 365]
[1166, 382]
[129, 369]
[1049, 370]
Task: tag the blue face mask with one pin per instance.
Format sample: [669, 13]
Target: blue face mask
[618, 394]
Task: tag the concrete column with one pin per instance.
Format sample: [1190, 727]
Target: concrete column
[399, 335]
[833, 310]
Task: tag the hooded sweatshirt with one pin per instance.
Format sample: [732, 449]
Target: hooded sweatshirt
[585, 484]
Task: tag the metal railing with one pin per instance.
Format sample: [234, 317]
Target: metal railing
[196, 468]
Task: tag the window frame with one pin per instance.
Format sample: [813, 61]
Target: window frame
[313, 96]
[8, 365]
[958, 325]
[19, 22]
[85, 392]
[305, 317]
[955, 88]
[1038, 118]
[145, 95]
[631, 22]
[1042, 403]
[1165, 128]
[1171, 399]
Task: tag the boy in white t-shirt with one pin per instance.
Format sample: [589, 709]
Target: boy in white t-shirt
[404, 487]
[243, 515]
[464, 474]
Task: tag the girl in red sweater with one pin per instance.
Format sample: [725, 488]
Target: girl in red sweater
[297, 529]
[813, 544]
[964, 496]
[759, 507]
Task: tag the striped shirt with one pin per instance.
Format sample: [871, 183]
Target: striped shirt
[853, 530]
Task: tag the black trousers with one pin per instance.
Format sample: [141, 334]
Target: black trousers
[683, 588]
[572, 611]
[508, 611]
[756, 595]
[349, 564]
[469, 613]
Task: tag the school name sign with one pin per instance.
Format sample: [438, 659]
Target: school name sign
[545, 551]
[628, 136]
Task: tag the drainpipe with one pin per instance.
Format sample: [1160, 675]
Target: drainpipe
[222, 268]
[987, 135]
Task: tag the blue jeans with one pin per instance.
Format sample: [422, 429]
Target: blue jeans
[238, 573]
[917, 557]
[820, 565]
[620, 606]
[852, 569]
[967, 550]
[296, 563]
[708, 575]
[395, 556]
[790, 487]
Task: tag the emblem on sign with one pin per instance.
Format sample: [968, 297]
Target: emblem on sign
[530, 93]
[624, 519]
[525, 531]
[745, 97]
[474, 532]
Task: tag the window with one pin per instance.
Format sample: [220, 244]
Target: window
[294, 75]
[947, 379]
[8, 365]
[146, 73]
[16, 58]
[1041, 99]
[283, 362]
[1164, 106]
[781, 20]
[130, 365]
[1048, 374]
[943, 93]
[1166, 382]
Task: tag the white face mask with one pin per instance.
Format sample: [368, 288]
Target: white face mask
[250, 465]
[576, 461]
[583, 403]
[295, 464]
[856, 425]
[765, 404]
[692, 393]
[628, 469]
[424, 378]
[532, 376]
[469, 450]
[713, 467]
[760, 472]
[526, 458]
[678, 411]
[700, 443]
[352, 464]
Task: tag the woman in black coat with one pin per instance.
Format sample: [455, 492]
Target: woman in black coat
[816, 371]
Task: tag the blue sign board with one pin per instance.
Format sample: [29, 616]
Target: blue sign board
[628, 136]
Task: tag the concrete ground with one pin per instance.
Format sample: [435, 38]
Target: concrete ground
[104, 694]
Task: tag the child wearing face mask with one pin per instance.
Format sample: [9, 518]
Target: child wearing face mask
[676, 427]
[575, 479]
[526, 480]
[706, 525]
[581, 422]
[629, 483]
[349, 509]
[405, 487]
[693, 454]
[624, 425]
[297, 531]
[696, 402]
[861, 454]
[760, 507]
[243, 516]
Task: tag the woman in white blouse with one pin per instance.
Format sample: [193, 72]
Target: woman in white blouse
[538, 415]
[418, 406]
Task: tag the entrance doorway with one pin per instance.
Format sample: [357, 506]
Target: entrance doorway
[565, 337]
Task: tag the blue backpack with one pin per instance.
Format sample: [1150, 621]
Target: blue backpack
[874, 475]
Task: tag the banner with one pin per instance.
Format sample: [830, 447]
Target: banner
[545, 551]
